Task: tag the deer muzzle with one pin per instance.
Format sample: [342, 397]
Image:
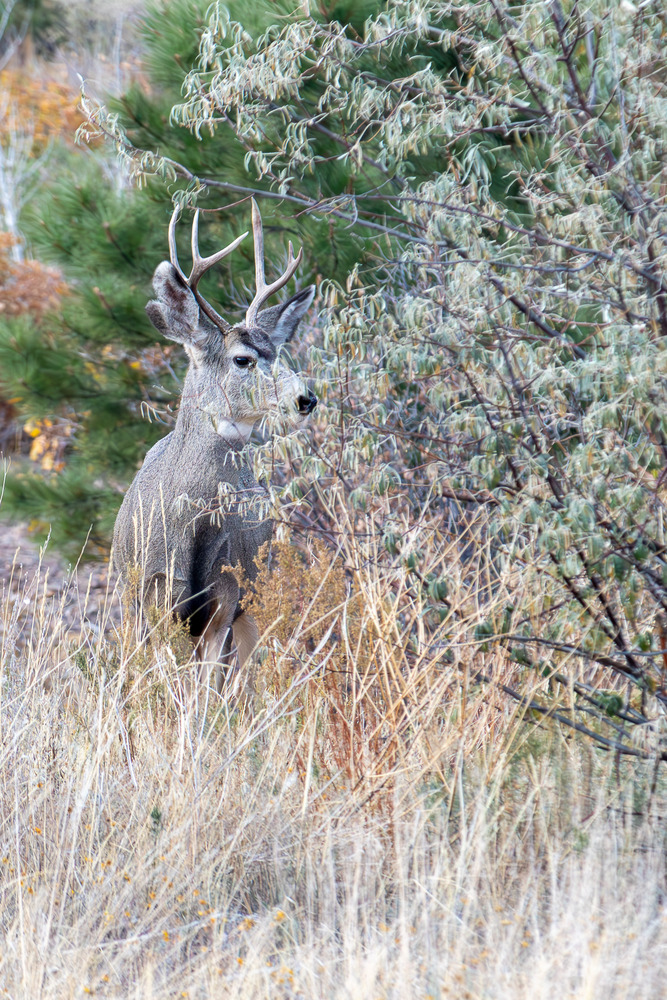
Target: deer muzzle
[306, 404]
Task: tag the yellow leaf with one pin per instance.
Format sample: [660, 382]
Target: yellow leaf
[37, 448]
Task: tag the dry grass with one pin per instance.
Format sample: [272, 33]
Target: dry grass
[374, 825]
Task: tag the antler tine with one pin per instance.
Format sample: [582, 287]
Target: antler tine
[173, 255]
[200, 265]
[265, 291]
[258, 241]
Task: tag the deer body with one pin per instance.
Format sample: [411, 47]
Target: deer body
[191, 553]
[171, 524]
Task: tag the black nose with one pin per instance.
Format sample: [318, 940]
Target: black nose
[307, 403]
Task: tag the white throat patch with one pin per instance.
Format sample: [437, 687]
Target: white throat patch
[233, 430]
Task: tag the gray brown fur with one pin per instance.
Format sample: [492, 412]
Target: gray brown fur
[185, 555]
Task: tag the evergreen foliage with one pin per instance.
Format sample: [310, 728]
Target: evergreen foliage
[91, 364]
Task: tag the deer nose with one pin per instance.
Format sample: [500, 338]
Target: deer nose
[307, 404]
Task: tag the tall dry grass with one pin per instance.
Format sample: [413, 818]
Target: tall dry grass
[368, 822]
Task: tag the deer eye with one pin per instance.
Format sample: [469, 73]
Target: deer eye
[244, 362]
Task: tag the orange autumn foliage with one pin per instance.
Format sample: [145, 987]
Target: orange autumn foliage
[46, 108]
[27, 287]
[30, 288]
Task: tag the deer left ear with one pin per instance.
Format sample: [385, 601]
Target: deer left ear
[279, 322]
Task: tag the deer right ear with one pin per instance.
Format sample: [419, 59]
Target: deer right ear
[175, 311]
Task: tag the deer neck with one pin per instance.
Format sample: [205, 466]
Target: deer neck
[197, 424]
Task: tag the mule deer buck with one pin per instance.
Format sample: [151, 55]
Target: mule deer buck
[234, 379]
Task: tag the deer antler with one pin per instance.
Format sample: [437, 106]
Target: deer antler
[200, 265]
[265, 291]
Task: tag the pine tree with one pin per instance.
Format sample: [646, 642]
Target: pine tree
[86, 368]
[91, 384]
[93, 371]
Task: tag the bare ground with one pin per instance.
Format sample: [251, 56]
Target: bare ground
[31, 576]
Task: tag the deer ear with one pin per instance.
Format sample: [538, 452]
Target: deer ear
[175, 312]
[279, 322]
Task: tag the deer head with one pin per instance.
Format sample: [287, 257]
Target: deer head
[236, 376]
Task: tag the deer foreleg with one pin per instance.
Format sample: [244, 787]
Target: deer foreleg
[246, 637]
[215, 644]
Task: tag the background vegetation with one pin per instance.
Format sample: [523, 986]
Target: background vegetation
[464, 663]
